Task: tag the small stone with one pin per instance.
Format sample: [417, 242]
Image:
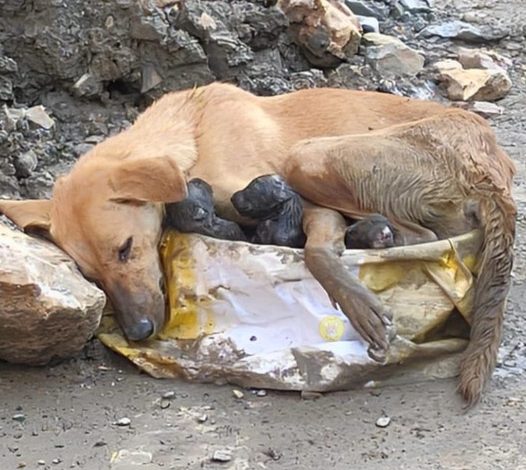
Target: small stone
[261, 393]
[19, 417]
[477, 59]
[486, 109]
[464, 31]
[238, 394]
[131, 458]
[56, 461]
[169, 395]
[123, 422]
[202, 419]
[164, 404]
[306, 395]
[150, 78]
[369, 24]
[88, 85]
[41, 462]
[368, 9]
[26, 164]
[38, 115]
[415, 6]
[383, 421]
[223, 455]
[389, 55]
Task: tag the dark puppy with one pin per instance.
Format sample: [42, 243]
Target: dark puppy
[374, 231]
[196, 214]
[278, 208]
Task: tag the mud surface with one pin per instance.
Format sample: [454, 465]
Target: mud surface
[68, 415]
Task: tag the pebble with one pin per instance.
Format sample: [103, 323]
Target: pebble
[19, 417]
[238, 394]
[41, 462]
[169, 395]
[123, 422]
[202, 418]
[306, 395]
[369, 24]
[383, 421]
[261, 393]
[164, 404]
[223, 455]
[56, 461]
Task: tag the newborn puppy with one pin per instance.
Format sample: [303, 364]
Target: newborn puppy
[374, 231]
[278, 208]
[196, 214]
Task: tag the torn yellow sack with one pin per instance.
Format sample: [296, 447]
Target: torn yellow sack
[254, 316]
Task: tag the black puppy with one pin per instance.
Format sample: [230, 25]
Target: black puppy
[196, 214]
[278, 208]
[374, 231]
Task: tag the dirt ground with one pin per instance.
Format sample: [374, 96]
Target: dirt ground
[67, 416]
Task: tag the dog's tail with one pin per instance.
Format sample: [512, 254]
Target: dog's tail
[497, 213]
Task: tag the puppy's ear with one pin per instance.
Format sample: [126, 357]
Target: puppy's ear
[153, 179]
[31, 215]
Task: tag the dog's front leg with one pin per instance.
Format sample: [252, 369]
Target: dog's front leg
[325, 229]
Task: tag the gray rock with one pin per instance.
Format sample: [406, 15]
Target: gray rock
[390, 56]
[39, 116]
[6, 89]
[369, 24]
[415, 6]
[463, 31]
[25, 164]
[47, 309]
[222, 455]
[88, 85]
[380, 12]
[149, 28]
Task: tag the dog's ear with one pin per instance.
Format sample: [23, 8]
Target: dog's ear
[153, 179]
[31, 215]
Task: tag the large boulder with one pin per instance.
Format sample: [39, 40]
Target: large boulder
[327, 30]
[47, 309]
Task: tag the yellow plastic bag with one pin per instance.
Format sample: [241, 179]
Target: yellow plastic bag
[254, 316]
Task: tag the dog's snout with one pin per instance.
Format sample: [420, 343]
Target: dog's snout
[140, 330]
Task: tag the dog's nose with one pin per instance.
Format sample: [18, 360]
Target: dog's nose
[142, 329]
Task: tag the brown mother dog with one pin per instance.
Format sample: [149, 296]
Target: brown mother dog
[433, 171]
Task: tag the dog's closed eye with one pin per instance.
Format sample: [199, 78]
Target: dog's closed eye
[125, 250]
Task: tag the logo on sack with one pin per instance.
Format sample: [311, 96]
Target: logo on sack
[331, 328]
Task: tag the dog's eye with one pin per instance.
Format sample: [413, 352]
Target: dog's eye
[125, 250]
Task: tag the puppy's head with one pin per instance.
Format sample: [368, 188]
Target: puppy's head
[263, 197]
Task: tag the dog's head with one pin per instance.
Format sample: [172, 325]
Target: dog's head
[107, 215]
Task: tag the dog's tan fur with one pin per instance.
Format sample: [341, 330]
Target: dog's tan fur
[434, 171]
